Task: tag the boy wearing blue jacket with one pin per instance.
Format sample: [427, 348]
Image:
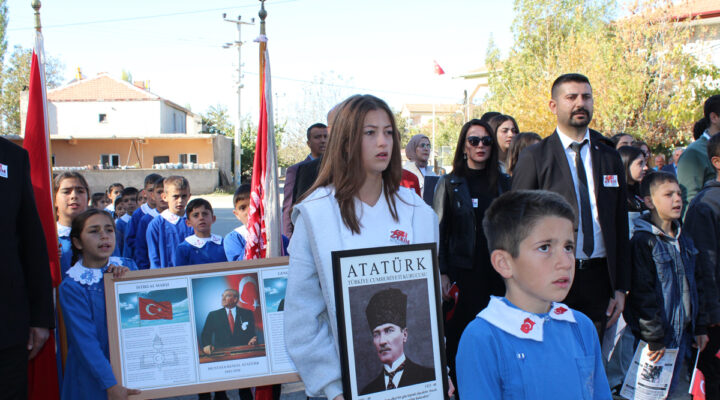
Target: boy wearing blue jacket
[167, 230]
[144, 209]
[526, 345]
[235, 240]
[203, 247]
[664, 303]
[140, 249]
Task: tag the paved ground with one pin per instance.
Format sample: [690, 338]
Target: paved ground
[222, 207]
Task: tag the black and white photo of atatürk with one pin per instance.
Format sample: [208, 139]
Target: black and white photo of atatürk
[391, 337]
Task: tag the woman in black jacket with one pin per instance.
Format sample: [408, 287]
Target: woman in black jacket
[461, 198]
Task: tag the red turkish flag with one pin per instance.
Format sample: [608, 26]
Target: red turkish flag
[437, 68]
[151, 309]
[697, 383]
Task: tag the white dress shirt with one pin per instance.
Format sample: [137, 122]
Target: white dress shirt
[393, 367]
[586, 155]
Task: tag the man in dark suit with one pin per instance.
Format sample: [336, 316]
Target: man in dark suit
[672, 167]
[317, 137]
[228, 326]
[386, 314]
[576, 163]
[26, 304]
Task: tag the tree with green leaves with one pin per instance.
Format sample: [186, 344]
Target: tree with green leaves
[217, 120]
[644, 82]
[15, 79]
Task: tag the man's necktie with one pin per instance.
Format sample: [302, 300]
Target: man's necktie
[584, 192]
[231, 321]
[391, 375]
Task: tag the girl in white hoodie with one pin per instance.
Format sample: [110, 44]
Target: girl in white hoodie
[356, 202]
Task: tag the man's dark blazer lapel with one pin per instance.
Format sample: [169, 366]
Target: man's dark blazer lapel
[560, 159]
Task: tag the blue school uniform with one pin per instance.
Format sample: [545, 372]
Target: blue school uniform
[509, 353]
[88, 373]
[131, 230]
[194, 250]
[141, 250]
[234, 243]
[65, 247]
[120, 229]
[164, 234]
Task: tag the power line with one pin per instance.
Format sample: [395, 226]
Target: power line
[144, 17]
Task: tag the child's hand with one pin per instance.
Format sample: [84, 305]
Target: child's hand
[119, 392]
[655, 356]
[701, 341]
[117, 270]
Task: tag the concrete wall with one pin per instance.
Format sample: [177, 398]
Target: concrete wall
[202, 181]
[123, 118]
[172, 120]
[222, 147]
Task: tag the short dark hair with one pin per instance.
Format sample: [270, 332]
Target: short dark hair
[313, 126]
[96, 197]
[178, 182]
[151, 179]
[118, 200]
[114, 185]
[241, 193]
[160, 183]
[713, 146]
[565, 78]
[651, 181]
[489, 115]
[197, 203]
[511, 217]
[129, 192]
[78, 224]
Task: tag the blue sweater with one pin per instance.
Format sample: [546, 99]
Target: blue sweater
[520, 355]
[163, 238]
[234, 244]
[194, 250]
[131, 230]
[140, 253]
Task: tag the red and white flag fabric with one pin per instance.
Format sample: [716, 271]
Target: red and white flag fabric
[151, 309]
[437, 68]
[42, 370]
[264, 228]
[697, 383]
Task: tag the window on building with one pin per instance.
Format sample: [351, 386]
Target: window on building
[102, 118]
[188, 158]
[110, 160]
[161, 159]
[53, 160]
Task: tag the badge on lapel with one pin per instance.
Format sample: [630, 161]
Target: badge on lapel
[3, 171]
[610, 181]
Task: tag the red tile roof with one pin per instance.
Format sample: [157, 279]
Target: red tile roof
[696, 9]
[100, 87]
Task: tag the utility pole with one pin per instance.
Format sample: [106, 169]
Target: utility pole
[238, 43]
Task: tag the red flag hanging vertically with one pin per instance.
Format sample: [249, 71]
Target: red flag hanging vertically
[264, 237]
[42, 370]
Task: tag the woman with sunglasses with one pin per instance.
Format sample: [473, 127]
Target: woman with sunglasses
[461, 198]
[418, 153]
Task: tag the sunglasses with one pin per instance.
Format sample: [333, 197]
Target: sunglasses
[425, 146]
[474, 141]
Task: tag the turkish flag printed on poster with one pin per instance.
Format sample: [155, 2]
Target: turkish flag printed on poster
[437, 68]
[247, 286]
[43, 369]
[151, 309]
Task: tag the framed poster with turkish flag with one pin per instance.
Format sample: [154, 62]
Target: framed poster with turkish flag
[199, 328]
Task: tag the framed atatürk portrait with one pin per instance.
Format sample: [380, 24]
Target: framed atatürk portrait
[199, 328]
[390, 323]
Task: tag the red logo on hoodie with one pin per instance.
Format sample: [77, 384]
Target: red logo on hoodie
[527, 325]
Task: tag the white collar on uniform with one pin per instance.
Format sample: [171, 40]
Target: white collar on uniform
[147, 210]
[242, 231]
[520, 323]
[200, 242]
[90, 276]
[170, 217]
[62, 230]
[126, 218]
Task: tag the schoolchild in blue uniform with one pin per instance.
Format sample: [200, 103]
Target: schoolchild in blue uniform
[126, 207]
[88, 374]
[526, 345]
[166, 231]
[234, 241]
[71, 199]
[112, 193]
[145, 208]
[203, 247]
[140, 252]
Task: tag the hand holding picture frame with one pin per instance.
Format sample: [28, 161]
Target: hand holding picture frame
[390, 323]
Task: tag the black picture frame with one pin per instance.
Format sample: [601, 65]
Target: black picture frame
[424, 345]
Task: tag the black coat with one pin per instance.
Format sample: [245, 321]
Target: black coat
[25, 282]
[307, 172]
[216, 330]
[412, 375]
[454, 207]
[545, 166]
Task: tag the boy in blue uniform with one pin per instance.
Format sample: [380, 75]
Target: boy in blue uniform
[128, 204]
[141, 249]
[526, 345]
[167, 230]
[203, 247]
[112, 193]
[145, 208]
[664, 301]
[234, 242]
